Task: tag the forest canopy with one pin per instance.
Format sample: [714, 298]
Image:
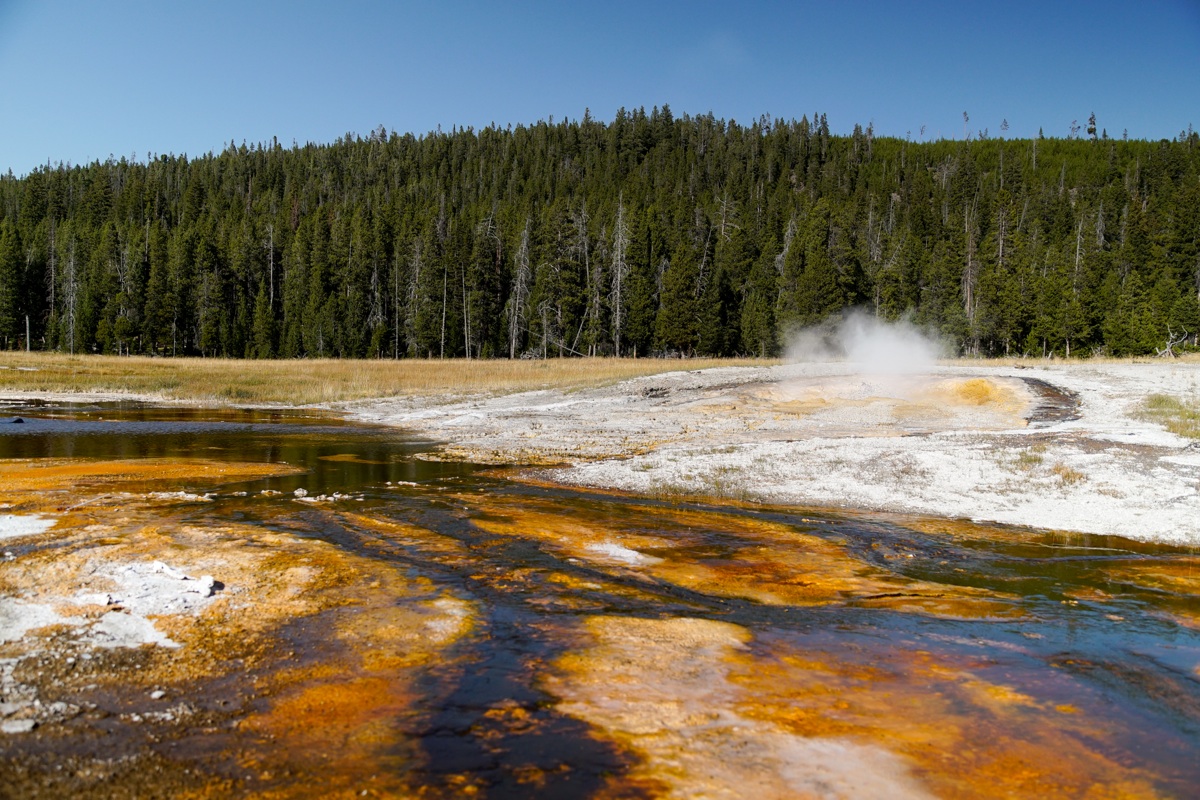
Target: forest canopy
[647, 235]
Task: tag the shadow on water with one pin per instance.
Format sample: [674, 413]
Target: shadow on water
[464, 735]
[1104, 624]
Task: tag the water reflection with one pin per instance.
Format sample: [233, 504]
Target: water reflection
[491, 637]
[336, 457]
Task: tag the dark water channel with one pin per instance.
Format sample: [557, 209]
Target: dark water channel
[1090, 622]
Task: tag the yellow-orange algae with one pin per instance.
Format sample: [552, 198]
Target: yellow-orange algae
[966, 736]
[25, 477]
[1172, 586]
[337, 732]
[712, 713]
[661, 689]
[339, 701]
[978, 392]
[753, 559]
[877, 403]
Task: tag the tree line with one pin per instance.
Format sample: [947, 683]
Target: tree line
[647, 235]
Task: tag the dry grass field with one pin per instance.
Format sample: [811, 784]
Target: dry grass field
[303, 382]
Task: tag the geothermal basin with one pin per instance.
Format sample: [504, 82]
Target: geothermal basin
[287, 604]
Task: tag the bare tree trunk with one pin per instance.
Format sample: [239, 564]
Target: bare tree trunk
[1078, 259]
[620, 274]
[970, 273]
[582, 247]
[396, 302]
[466, 312]
[52, 277]
[520, 294]
[271, 264]
[70, 296]
[788, 237]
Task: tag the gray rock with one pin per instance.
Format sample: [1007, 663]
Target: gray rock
[8, 709]
[17, 725]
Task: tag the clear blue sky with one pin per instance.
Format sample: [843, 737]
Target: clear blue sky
[83, 80]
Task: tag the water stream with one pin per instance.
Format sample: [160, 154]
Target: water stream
[622, 646]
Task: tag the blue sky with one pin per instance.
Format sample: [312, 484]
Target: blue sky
[85, 80]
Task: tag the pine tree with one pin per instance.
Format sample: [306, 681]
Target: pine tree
[677, 327]
[408, 244]
[264, 325]
[10, 289]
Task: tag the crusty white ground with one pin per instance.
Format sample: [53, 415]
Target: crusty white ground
[829, 434]
[730, 432]
[14, 525]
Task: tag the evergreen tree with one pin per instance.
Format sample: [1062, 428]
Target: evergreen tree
[10, 272]
[649, 233]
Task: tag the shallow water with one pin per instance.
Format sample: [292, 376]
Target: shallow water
[619, 646]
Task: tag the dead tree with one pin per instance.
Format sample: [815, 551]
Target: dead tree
[620, 275]
[1173, 341]
[519, 296]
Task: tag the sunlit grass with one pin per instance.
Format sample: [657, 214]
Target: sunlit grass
[1178, 416]
[1030, 458]
[303, 382]
[1069, 476]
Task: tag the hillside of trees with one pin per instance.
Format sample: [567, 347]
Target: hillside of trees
[647, 235]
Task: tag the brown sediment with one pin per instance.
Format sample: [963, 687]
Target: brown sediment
[733, 556]
[249, 706]
[1054, 404]
[39, 475]
[322, 660]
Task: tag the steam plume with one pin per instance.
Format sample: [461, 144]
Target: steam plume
[873, 346]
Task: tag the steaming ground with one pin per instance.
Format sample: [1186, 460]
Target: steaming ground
[974, 442]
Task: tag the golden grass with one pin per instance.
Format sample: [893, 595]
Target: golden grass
[1069, 476]
[303, 382]
[1178, 416]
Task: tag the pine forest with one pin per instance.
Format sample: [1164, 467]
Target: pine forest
[650, 235]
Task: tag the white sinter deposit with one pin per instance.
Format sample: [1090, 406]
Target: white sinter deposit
[14, 525]
[904, 434]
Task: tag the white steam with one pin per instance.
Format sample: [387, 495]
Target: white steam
[870, 345]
